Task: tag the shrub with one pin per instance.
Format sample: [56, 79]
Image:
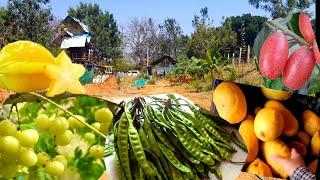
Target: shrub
[197, 84]
[143, 75]
[152, 82]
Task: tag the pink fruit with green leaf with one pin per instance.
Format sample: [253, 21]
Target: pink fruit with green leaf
[273, 55]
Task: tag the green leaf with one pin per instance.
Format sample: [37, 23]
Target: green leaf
[46, 144]
[314, 89]
[293, 24]
[314, 82]
[258, 42]
[273, 84]
[28, 112]
[90, 168]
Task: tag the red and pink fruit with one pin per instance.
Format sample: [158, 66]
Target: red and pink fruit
[273, 55]
[298, 68]
[306, 28]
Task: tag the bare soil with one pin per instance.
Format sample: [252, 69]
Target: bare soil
[113, 89]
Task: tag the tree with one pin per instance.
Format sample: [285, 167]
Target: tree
[279, 8]
[206, 38]
[102, 25]
[6, 35]
[171, 33]
[27, 20]
[246, 26]
[141, 39]
[202, 40]
[203, 19]
[227, 38]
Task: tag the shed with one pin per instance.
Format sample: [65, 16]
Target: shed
[162, 65]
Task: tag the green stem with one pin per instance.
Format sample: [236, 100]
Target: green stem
[70, 113]
[288, 32]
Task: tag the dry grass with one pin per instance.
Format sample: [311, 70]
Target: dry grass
[247, 74]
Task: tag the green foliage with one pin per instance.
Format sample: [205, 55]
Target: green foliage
[248, 24]
[121, 65]
[172, 36]
[152, 82]
[205, 37]
[202, 39]
[29, 112]
[87, 166]
[102, 25]
[46, 144]
[281, 8]
[84, 104]
[28, 20]
[144, 75]
[227, 38]
[197, 84]
[213, 65]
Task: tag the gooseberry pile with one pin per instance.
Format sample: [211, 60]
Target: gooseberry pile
[18, 151]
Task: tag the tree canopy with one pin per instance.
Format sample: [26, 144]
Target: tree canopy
[172, 38]
[102, 25]
[26, 20]
[247, 24]
[281, 8]
[207, 38]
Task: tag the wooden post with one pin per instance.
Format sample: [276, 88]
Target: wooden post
[233, 58]
[240, 55]
[228, 56]
[239, 63]
[248, 55]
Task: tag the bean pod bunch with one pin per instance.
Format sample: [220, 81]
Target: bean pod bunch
[161, 140]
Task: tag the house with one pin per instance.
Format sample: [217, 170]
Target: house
[162, 65]
[75, 38]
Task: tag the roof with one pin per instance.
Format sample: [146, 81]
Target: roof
[70, 19]
[75, 41]
[83, 26]
[171, 59]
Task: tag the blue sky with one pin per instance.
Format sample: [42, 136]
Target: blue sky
[182, 10]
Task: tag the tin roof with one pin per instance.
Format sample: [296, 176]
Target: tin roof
[75, 41]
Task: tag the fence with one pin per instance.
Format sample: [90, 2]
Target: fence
[244, 63]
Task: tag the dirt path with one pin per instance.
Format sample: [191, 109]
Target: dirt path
[111, 90]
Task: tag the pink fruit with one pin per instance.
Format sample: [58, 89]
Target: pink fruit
[273, 55]
[316, 51]
[306, 27]
[298, 68]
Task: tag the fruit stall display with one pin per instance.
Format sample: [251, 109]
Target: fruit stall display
[63, 137]
[270, 122]
[282, 47]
